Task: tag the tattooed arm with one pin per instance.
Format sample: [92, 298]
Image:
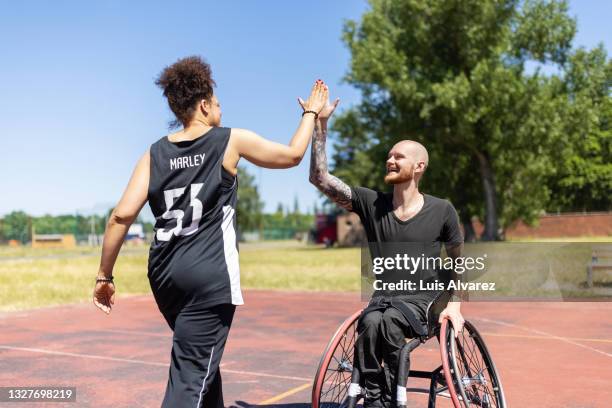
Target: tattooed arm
[338, 191]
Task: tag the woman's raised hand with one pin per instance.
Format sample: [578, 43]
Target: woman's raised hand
[317, 99]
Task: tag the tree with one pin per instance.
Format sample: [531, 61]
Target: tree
[16, 225]
[62, 224]
[249, 211]
[451, 74]
[279, 209]
[583, 179]
[296, 205]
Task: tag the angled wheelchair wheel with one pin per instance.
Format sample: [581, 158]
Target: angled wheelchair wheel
[333, 376]
[473, 381]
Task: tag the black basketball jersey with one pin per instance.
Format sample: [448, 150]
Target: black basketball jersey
[193, 258]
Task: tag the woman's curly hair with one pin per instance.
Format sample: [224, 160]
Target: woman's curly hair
[185, 83]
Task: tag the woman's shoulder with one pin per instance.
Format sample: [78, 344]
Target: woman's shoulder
[240, 132]
[158, 142]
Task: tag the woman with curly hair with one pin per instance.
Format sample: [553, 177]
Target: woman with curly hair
[190, 180]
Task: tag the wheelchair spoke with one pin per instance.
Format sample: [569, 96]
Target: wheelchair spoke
[347, 349]
[472, 354]
[337, 374]
[333, 388]
[467, 376]
[337, 391]
[474, 374]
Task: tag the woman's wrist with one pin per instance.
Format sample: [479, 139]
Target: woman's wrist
[308, 112]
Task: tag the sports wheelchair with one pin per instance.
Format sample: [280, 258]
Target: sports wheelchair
[467, 374]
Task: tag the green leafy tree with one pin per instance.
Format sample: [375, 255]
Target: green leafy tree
[16, 225]
[279, 209]
[149, 227]
[452, 75]
[68, 224]
[583, 180]
[250, 206]
[296, 205]
[45, 225]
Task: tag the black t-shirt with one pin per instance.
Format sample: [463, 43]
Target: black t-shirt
[437, 223]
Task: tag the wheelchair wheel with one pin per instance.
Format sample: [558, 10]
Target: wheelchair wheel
[336, 366]
[473, 380]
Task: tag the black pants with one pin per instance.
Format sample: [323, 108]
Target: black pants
[381, 335]
[197, 347]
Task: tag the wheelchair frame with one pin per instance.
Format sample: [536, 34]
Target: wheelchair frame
[443, 379]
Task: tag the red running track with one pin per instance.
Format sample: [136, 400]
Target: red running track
[549, 354]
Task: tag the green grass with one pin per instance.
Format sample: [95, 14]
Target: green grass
[27, 252]
[301, 268]
[68, 277]
[546, 270]
[563, 239]
[31, 278]
[35, 278]
[541, 270]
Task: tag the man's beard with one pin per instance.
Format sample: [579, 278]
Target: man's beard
[400, 177]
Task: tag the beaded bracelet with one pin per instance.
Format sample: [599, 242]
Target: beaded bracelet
[309, 111]
[105, 280]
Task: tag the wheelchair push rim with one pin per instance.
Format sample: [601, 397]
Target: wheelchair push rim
[471, 375]
[335, 368]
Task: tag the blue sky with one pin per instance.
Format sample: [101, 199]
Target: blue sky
[78, 104]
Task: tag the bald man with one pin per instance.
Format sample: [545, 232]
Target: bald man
[402, 216]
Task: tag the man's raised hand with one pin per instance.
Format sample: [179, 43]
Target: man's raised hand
[328, 109]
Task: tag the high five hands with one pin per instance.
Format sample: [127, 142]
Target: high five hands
[326, 109]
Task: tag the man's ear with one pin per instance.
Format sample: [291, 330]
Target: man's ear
[421, 167]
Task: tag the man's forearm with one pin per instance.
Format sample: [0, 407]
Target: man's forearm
[331, 186]
[318, 157]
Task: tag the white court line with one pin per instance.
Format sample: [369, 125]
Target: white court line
[166, 335]
[64, 353]
[126, 360]
[563, 339]
[253, 373]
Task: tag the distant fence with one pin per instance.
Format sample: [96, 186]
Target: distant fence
[283, 234]
[593, 224]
